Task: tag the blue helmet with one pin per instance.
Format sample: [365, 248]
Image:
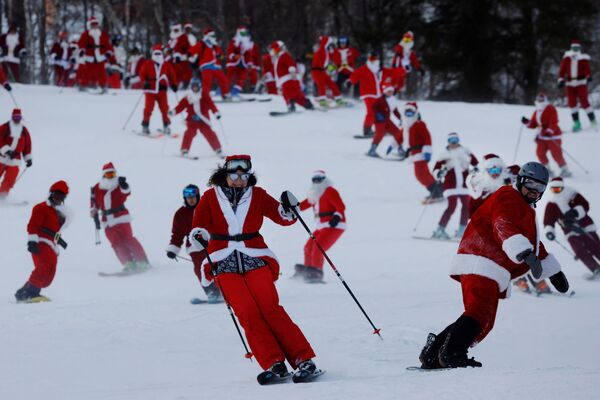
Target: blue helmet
[343, 40]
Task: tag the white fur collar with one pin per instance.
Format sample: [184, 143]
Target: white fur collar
[316, 191]
[108, 184]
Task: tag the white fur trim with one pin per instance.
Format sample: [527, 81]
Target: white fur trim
[550, 266]
[50, 243]
[27, 157]
[426, 149]
[466, 264]
[112, 221]
[580, 211]
[125, 191]
[341, 225]
[515, 245]
[33, 238]
[173, 248]
[458, 191]
[338, 214]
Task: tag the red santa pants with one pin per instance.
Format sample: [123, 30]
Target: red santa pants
[12, 70]
[586, 247]
[291, 91]
[207, 77]
[381, 128]
[480, 298]
[578, 94]
[370, 116]
[190, 133]
[60, 75]
[94, 73]
[464, 211]
[252, 75]
[183, 70]
[323, 82]
[271, 87]
[163, 106]
[237, 76]
[271, 333]
[423, 174]
[126, 246]
[9, 173]
[326, 238]
[114, 80]
[552, 146]
[198, 258]
[44, 266]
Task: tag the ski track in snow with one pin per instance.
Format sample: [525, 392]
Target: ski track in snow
[138, 337]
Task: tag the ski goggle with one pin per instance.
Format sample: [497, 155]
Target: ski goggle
[343, 41]
[533, 185]
[576, 47]
[234, 165]
[556, 189]
[410, 113]
[318, 179]
[110, 174]
[190, 192]
[453, 140]
[157, 54]
[234, 176]
[407, 40]
[494, 170]
[244, 32]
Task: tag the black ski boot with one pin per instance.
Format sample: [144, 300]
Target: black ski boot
[368, 132]
[299, 269]
[313, 274]
[436, 191]
[277, 373]
[292, 106]
[213, 294]
[453, 353]
[145, 128]
[430, 354]
[309, 105]
[307, 371]
[27, 292]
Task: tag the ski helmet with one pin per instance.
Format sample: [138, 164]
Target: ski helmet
[343, 41]
[196, 83]
[191, 190]
[533, 176]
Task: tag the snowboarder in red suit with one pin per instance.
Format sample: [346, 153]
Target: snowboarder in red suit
[198, 104]
[383, 107]
[60, 56]
[227, 222]
[320, 63]
[574, 75]
[182, 225]
[570, 210]
[548, 138]
[207, 54]
[501, 243]
[95, 49]
[48, 219]
[330, 217]
[108, 199]
[15, 147]
[344, 57]
[157, 76]
[286, 77]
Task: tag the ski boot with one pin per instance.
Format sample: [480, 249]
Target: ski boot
[145, 128]
[235, 93]
[292, 106]
[277, 373]
[522, 285]
[130, 266]
[564, 172]
[435, 193]
[340, 103]
[368, 132]
[103, 90]
[453, 353]
[313, 274]
[576, 126]
[373, 151]
[440, 233]
[213, 294]
[323, 103]
[542, 287]
[219, 152]
[460, 231]
[309, 105]
[167, 129]
[307, 371]
[299, 269]
[429, 355]
[27, 293]
[593, 122]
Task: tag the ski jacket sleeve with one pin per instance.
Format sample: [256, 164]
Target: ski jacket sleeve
[581, 205]
[533, 122]
[178, 232]
[414, 60]
[3, 79]
[304, 205]
[182, 105]
[210, 104]
[551, 216]
[562, 70]
[272, 209]
[507, 214]
[336, 202]
[36, 221]
[550, 124]
[26, 145]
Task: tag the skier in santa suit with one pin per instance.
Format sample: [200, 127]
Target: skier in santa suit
[157, 76]
[419, 150]
[268, 74]
[320, 64]
[574, 75]
[227, 222]
[404, 55]
[182, 225]
[286, 77]
[330, 217]
[500, 243]
[12, 48]
[132, 77]
[75, 61]
[570, 210]
[344, 57]
[369, 78]
[108, 199]
[94, 49]
[243, 57]
[198, 105]
[180, 45]
[60, 55]
[383, 107]
[48, 219]
[548, 134]
[207, 54]
[15, 147]
[452, 167]
[482, 182]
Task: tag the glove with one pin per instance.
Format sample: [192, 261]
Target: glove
[427, 156]
[441, 173]
[33, 247]
[334, 221]
[550, 235]
[288, 201]
[174, 88]
[561, 83]
[28, 163]
[218, 115]
[571, 215]
[147, 85]
[11, 154]
[524, 121]
[379, 117]
[532, 261]
[560, 282]
[196, 118]
[200, 236]
[172, 255]
[123, 183]
[171, 113]
[7, 87]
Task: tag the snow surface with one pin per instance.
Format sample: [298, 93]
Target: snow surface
[139, 338]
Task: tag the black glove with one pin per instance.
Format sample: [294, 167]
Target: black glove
[440, 174]
[532, 261]
[7, 86]
[172, 255]
[589, 79]
[550, 235]
[174, 88]
[123, 183]
[560, 282]
[28, 163]
[334, 221]
[126, 81]
[561, 84]
[147, 85]
[525, 120]
[288, 201]
[571, 215]
[33, 247]
[11, 154]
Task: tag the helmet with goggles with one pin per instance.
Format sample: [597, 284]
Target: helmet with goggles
[533, 177]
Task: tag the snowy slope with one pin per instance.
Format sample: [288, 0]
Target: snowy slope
[139, 338]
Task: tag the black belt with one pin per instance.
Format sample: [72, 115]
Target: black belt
[327, 214]
[57, 238]
[115, 210]
[240, 237]
[318, 69]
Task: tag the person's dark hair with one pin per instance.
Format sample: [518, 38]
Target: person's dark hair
[219, 178]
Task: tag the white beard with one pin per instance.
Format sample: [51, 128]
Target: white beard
[174, 35]
[95, 34]
[194, 97]
[15, 129]
[373, 66]
[563, 198]
[540, 106]
[407, 46]
[407, 122]
[158, 59]
[67, 214]
[108, 184]
[244, 42]
[316, 191]
[192, 39]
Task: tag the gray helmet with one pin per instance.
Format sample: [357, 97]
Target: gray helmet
[533, 175]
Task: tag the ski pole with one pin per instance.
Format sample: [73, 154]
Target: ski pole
[376, 331]
[12, 96]
[20, 175]
[575, 161]
[420, 218]
[185, 258]
[518, 143]
[137, 103]
[566, 249]
[223, 131]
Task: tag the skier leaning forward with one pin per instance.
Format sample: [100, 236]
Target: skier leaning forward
[500, 243]
[227, 223]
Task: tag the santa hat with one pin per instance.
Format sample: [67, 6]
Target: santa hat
[556, 183]
[108, 167]
[60, 186]
[575, 42]
[453, 137]
[188, 25]
[92, 21]
[411, 105]
[514, 169]
[408, 37]
[16, 114]
[319, 174]
[387, 85]
[63, 35]
[238, 161]
[157, 47]
[492, 160]
[277, 46]
[208, 31]
[373, 56]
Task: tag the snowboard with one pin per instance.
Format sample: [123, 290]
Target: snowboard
[37, 299]
[451, 240]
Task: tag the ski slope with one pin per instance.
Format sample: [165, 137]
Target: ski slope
[140, 338]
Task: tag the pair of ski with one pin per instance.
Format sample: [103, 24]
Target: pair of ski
[124, 273]
[449, 240]
[300, 376]
[244, 100]
[533, 290]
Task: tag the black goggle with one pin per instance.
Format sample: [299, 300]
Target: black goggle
[533, 185]
[235, 176]
[234, 165]
[318, 179]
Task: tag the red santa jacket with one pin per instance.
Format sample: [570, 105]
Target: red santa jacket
[60, 54]
[325, 207]
[197, 106]
[45, 225]
[574, 68]
[282, 65]
[408, 61]
[207, 56]
[502, 228]
[14, 138]
[159, 76]
[181, 48]
[559, 203]
[345, 59]
[215, 214]
[3, 79]
[547, 123]
[456, 162]
[382, 110]
[268, 72]
[370, 82]
[419, 141]
[322, 56]
[12, 47]
[111, 204]
[182, 225]
[94, 47]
